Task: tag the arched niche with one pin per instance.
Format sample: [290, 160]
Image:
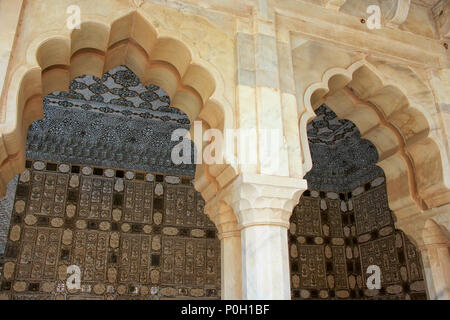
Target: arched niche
[96, 47]
[401, 131]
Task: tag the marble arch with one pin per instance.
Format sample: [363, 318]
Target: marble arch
[257, 59]
[402, 131]
[131, 40]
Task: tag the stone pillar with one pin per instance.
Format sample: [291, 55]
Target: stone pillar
[267, 183]
[429, 232]
[436, 249]
[263, 205]
[265, 262]
[428, 275]
[266, 96]
[230, 244]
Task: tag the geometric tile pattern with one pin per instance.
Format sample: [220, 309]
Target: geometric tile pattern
[371, 210]
[6, 207]
[334, 237]
[133, 234]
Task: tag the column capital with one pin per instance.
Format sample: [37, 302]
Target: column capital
[223, 217]
[252, 215]
[427, 229]
[263, 200]
[435, 236]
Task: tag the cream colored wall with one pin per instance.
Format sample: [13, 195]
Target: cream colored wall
[252, 64]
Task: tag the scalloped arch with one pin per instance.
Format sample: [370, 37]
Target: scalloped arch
[54, 60]
[401, 131]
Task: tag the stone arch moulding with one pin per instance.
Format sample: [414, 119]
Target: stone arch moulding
[434, 233]
[54, 60]
[403, 133]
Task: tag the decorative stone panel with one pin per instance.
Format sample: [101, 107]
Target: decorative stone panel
[6, 207]
[130, 243]
[333, 239]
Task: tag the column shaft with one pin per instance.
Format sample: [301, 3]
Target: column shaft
[230, 244]
[265, 267]
[439, 259]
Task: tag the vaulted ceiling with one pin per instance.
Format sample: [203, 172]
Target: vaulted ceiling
[342, 160]
[114, 121]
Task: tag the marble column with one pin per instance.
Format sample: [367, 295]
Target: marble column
[230, 245]
[263, 205]
[265, 262]
[436, 249]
